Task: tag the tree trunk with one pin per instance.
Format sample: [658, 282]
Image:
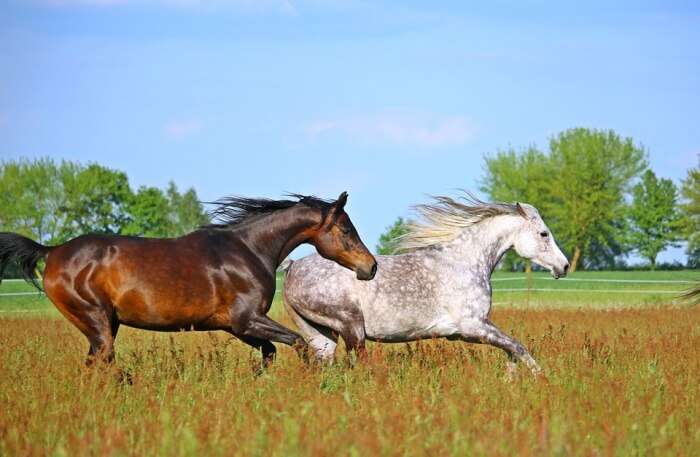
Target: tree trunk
[528, 266]
[652, 261]
[575, 259]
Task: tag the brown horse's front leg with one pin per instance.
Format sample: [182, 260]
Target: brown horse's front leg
[264, 328]
[266, 347]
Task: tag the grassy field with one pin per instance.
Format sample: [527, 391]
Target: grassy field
[585, 290]
[621, 367]
[593, 289]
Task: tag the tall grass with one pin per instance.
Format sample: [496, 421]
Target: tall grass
[617, 383]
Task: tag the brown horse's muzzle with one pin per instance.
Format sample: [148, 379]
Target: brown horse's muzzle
[367, 273]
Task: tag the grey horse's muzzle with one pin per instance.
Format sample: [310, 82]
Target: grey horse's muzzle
[560, 272]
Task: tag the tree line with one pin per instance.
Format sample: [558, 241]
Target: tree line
[53, 202]
[597, 193]
[593, 188]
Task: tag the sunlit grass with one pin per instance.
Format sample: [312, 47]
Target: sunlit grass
[617, 383]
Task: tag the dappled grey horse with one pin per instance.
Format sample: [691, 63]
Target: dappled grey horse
[441, 288]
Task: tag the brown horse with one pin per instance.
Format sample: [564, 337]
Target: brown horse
[220, 277]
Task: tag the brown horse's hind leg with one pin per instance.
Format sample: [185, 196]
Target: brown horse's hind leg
[101, 341]
[93, 321]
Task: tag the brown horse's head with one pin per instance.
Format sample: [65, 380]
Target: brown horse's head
[336, 239]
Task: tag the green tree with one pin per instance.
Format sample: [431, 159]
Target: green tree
[96, 200]
[149, 214]
[186, 211]
[518, 176]
[690, 209]
[155, 213]
[592, 171]
[388, 240]
[654, 216]
[53, 202]
[32, 197]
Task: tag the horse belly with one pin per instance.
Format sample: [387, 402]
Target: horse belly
[155, 311]
[407, 323]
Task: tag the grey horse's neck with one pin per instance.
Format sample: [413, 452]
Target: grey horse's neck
[480, 247]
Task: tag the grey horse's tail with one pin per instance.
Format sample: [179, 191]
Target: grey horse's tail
[285, 266]
[693, 295]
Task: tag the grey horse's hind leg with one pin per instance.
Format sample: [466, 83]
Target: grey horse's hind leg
[352, 330]
[321, 340]
[487, 333]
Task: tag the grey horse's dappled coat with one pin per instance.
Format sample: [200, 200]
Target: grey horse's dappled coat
[440, 289]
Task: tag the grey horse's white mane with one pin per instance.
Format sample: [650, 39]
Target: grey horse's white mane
[445, 218]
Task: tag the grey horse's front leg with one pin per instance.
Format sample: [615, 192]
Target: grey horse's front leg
[487, 333]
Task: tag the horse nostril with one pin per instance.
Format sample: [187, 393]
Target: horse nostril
[566, 268]
[374, 269]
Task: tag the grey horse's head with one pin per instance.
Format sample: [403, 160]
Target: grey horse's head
[445, 219]
[533, 240]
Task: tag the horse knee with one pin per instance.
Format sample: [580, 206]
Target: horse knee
[323, 348]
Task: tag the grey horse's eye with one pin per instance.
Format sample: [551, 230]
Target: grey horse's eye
[544, 234]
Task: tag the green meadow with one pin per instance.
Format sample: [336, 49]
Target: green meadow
[584, 290]
[621, 362]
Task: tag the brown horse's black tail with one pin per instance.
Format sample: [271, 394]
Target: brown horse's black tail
[24, 252]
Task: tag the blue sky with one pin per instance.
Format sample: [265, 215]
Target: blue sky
[388, 100]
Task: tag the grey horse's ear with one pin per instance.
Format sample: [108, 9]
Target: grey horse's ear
[521, 211]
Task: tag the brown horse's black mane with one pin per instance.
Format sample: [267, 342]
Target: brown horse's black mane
[229, 211]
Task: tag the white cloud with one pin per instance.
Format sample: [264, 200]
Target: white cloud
[183, 128]
[398, 128]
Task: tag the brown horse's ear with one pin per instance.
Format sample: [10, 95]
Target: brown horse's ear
[342, 200]
[521, 211]
[336, 209]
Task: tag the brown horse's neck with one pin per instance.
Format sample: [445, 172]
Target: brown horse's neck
[273, 236]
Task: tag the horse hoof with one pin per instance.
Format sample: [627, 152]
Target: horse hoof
[511, 371]
[541, 377]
